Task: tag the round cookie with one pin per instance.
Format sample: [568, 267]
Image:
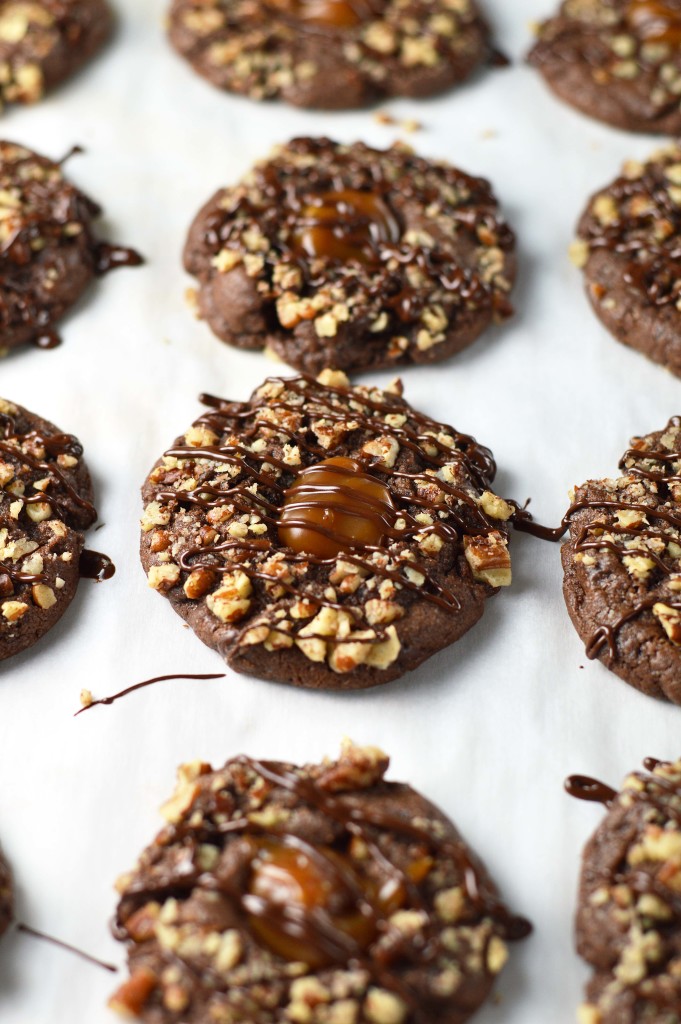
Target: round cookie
[324, 535]
[321, 893]
[622, 565]
[629, 247]
[629, 919]
[330, 54]
[48, 252]
[6, 896]
[346, 256]
[43, 42]
[616, 60]
[45, 507]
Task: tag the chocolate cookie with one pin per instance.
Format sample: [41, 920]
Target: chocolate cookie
[330, 54]
[43, 42]
[321, 894]
[629, 915]
[6, 896]
[45, 507]
[352, 257]
[323, 535]
[629, 246]
[48, 252]
[622, 565]
[616, 60]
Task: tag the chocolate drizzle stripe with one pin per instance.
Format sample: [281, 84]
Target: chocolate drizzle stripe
[140, 686]
[35, 934]
[597, 535]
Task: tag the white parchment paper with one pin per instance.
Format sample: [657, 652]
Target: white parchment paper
[487, 729]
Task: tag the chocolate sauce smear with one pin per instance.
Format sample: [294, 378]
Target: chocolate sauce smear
[47, 339]
[140, 686]
[110, 257]
[584, 788]
[93, 565]
[35, 934]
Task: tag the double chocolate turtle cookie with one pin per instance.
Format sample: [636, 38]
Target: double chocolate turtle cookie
[45, 507]
[43, 42]
[324, 535]
[6, 896]
[629, 917]
[48, 252]
[616, 60]
[629, 246]
[330, 54]
[319, 893]
[622, 565]
[346, 256]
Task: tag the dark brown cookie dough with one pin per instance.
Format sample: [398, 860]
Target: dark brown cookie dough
[616, 60]
[622, 565]
[6, 896]
[45, 507]
[320, 894]
[341, 576]
[48, 252]
[43, 42]
[629, 916]
[629, 246]
[346, 256]
[331, 54]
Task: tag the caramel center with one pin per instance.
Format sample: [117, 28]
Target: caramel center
[334, 506]
[312, 904]
[348, 225]
[328, 13]
[654, 21]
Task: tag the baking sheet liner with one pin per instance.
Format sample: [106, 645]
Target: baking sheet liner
[487, 729]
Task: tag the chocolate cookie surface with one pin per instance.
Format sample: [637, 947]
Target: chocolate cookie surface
[321, 893]
[330, 54]
[6, 896]
[352, 257]
[622, 565]
[324, 535]
[43, 42]
[629, 246]
[45, 507]
[48, 252]
[628, 923]
[616, 60]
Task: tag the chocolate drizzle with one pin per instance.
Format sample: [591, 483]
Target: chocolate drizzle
[26, 930]
[606, 533]
[619, 865]
[645, 233]
[39, 451]
[253, 488]
[45, 230]
[366, 194]
[140, 686]
[345, 921]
